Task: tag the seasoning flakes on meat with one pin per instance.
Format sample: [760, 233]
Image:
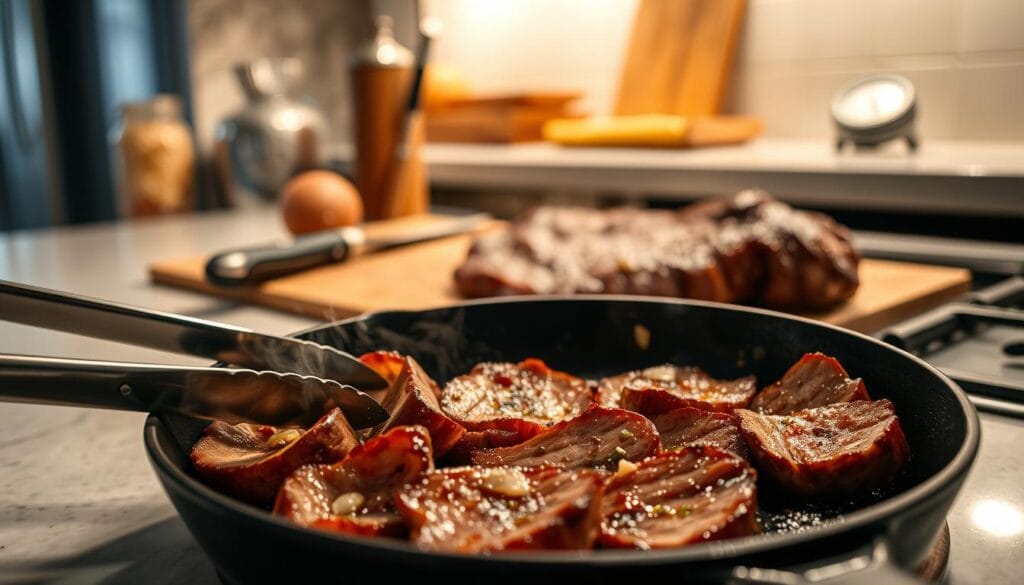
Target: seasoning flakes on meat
[250, 462]
[473, 510]
[662, 388]
[356, 495]
[744, 248]
[692, 426]
[693, 495]
[411, 401]
[600, 437]
[815, 380]
[840, 450]
[505, 395]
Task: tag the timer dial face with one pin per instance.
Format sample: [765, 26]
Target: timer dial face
[873, 101]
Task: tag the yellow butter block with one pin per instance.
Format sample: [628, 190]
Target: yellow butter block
[640, 130]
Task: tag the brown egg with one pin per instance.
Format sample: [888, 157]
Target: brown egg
[319, 200]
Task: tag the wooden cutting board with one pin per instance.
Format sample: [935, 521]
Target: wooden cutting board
[680, 57]
[420, 276]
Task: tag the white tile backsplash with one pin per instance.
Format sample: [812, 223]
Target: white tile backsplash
[992, 102]
[913, 27]
[965, 57]
[992, 25]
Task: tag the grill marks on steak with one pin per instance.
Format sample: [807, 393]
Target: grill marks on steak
[411, 400]
[250, 462]
[662, 388]
[513, 396]
[471, 509]
[692, 426]
[845, 449]
[815, 380]
[747, 247]
[693, 495]
[600, 437]
[356, 495]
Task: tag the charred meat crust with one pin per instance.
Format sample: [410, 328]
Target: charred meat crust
[411, 401]
[683, 427]
[815, 380]
[841, 450]
[367, 479]
[684, 497]
[599, 437]
[250, 462]
[510, 397]
[472, 509]
[666, 387]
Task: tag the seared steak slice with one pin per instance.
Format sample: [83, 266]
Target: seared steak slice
[474, 510]
[816, 380]
[600, 437]
[472, 441]
[504, 395]
[674, 387]
[692, 426]
[411, 401]
[684, 497]
[356, 495]
[250, 461]
[845, 449]
[388, 364]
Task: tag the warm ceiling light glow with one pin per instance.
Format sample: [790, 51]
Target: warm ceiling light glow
[998, 518]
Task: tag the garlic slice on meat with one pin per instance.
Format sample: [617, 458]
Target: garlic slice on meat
[283, 437]
[505, 482]
[347, 504]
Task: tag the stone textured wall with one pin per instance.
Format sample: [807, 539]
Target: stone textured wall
[319, 32]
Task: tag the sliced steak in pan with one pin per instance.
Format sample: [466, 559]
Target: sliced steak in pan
[674, 387]
[250, 461]
[600, 437]
[411, 401]
[470, 510]
[356, 495]
[473, 441]
[504, 395]
[692, 426]
[845, 449]
[674, 499]
[815, 380]
[388, 364]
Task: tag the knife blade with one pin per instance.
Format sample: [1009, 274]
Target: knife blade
[260, 263]
[60, 311]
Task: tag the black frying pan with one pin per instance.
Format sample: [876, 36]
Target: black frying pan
[594, 336]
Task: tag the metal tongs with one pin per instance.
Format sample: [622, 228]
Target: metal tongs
[287, 381]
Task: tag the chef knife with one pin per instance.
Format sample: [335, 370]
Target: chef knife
[255, 265]
[59, 311]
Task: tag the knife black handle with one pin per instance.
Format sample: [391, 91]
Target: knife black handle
[255, 265]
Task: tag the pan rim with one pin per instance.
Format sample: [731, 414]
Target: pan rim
[715, 551]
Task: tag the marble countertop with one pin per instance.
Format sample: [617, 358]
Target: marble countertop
[80, 504]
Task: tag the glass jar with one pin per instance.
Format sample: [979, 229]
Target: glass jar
[155, 158]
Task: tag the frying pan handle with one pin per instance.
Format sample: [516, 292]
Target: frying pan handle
[869, 565]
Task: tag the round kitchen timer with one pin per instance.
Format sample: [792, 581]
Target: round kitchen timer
[875, 109]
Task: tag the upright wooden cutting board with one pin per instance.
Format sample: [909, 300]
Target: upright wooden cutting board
[680, 57]
[420, 276]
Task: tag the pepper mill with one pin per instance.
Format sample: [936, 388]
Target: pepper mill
[381, 73]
